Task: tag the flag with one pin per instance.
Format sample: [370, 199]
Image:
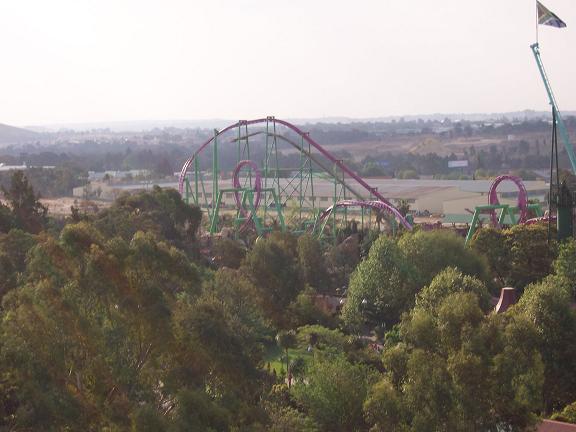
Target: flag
[548, 18]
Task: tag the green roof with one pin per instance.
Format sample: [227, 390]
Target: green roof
[463, 218]
[467, 218]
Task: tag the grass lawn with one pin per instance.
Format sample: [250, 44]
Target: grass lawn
[275, 356]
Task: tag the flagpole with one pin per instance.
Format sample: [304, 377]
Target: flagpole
[536, 4]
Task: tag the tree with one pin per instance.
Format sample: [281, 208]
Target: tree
[14, 247]
[312, 263]
[87, 337]
[381, 288]
[147, 419]
[272, 268]
[7, 275]
[491, 243]
[404, 207]
[228, 253]
[6, 219]
[161, 211]
[517, 256]
[428, 392]
[383, 408]
[164, 168]
[457, 369]
[303, 310]
[287, 340]
[408, 174]
[29, 214]
[531, 255]
[288, 419]
[225, 357]
[333, 392]
[568, 414]
[449, 281]
[432, 251]
[236, 293]
[53, 182]
[196, 411]
[565, 264]
[342, 259]
[547, 305]
[322, 338]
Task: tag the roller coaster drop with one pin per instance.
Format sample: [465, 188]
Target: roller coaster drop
[261, 194]
[262, 190]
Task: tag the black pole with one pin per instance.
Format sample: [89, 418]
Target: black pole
[557, 165]
[551, 170]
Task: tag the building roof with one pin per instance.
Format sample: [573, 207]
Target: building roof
[390, 188]
[463, 218]
[555, 426]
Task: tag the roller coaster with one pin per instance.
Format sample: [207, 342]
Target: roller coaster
[504, 214]
[264, 185]
[255, 172]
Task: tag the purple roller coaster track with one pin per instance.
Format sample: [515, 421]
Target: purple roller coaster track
[374, 199]
[522, 197]
[377, 205]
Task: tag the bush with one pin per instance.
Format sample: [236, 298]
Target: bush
[432, 251]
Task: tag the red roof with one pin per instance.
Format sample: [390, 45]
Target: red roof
[555, 426]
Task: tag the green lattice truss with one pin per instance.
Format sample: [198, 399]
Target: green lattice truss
[508, 216]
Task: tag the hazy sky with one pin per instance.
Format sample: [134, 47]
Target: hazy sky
[102, 60]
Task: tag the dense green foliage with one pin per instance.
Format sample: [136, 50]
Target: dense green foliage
[447, 282]
[565, 264]
[161, 211]
[53, 182]
[430, 252]
[547, 305]
[272, 266]
[27, 213]
[119, 321]
[517, 256]
[457, 369]
[312, 262]
[382, 287]
[334, 392]
[385, 284]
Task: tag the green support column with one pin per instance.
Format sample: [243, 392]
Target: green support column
[215, 173]
[300, 198]
[335, 200]
[344, 198]
[313, 197]
[487, 209]
[276, 174]
[187, 191]
[278, 206]
[215, 213]
[238, 145]
[196, 174]
[473, 226]
[247, 147]
[266, 166]
[564, 213]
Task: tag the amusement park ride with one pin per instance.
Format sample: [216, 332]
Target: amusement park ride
[261, 190]
[559, 199]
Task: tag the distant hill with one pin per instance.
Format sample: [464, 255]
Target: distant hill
[14, 135]
[147, 125]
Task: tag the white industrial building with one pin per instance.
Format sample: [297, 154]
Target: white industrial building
[438, 197]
